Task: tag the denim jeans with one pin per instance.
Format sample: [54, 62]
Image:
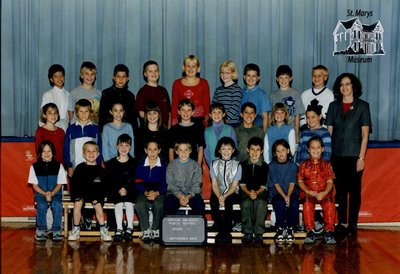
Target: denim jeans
[42, 206]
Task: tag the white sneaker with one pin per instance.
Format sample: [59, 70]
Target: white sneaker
[104, 235]
[74, 235]
[146, 235]
[155, 235]
[237, 227]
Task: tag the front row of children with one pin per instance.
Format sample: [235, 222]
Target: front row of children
[164, 189]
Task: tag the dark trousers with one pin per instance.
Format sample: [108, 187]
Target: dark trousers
[223, 218]
[348, 187]
[286, 216]
[172, 205]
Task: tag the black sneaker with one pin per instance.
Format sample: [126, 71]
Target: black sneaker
[118, 235]
[223, 237]
[289, 235]
[258, 239]
[247, 238]
[128, 234]
[280, 235]
[310, 238]
[340, 231]
[329, 238]
[352, 231]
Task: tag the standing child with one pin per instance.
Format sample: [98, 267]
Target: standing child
[120, 177]
[216, 131]
[113, 130]
[58, 95]
[191, 87]
[289, 96]
[187, 131]
[153, 128]
[225, 175]
[87, 186]
[315, 179]
[319, 93]
[254, 94]
[151, 173]
[49, 131]
[79, 133]
[313, 128]
[184, 182]
[118, 92]
[153, 93]
[247, 130]
[253, 194]
[47, 177]
[229, 94]
[280, 129]
[284, 192]
[87, 90]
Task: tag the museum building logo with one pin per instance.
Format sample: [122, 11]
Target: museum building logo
[356, 40]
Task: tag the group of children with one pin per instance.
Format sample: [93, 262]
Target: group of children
[153, 153]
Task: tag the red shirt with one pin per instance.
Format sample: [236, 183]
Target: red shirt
[199, 95]
[316, 174]
[157, 95]
[56, 137]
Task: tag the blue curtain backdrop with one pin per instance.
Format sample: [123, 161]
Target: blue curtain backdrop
[38, 33]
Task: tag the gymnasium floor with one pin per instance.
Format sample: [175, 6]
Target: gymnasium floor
[375, 250]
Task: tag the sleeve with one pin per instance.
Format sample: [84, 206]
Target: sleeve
[215, 97]
[62, 176]
[326, 138]
[243, 179]
[299, 104]
[163, 184]
[206, 98]
[265, 103]
[175, 102]
[38, 139]
[139, 104]
[195, 187]
[238, 174]
[99, 143]
[292, 141]
[212, 172]
[234, 109]
[207, 153]
[233, 136]
[130, 133]
[67, 147]
[103, 112]
[32, 179]
[329, 114]
[366, 117]
[300, 174]
[200, 134]
[272, 178]
[106, 144]
[266, 149]
[171, 186]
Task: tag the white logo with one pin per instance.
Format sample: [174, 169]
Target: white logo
[353, 38]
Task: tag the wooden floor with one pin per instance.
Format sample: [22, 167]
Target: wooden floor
[374, 251]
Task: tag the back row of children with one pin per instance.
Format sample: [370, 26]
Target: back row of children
[191, 65]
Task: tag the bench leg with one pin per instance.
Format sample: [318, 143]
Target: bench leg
[66, 222]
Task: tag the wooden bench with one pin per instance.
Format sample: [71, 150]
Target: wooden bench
[68, 206]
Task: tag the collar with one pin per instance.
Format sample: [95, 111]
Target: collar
[89, 123]
[258, 163]
[158, 163]
[317, 91]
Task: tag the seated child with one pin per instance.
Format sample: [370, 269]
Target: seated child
[120, 177]
[315, 179]
[87, 186]
[253, 194]
[151, 190]
[225, 175]
[184, 182]
[283, 191]
[47, 177]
